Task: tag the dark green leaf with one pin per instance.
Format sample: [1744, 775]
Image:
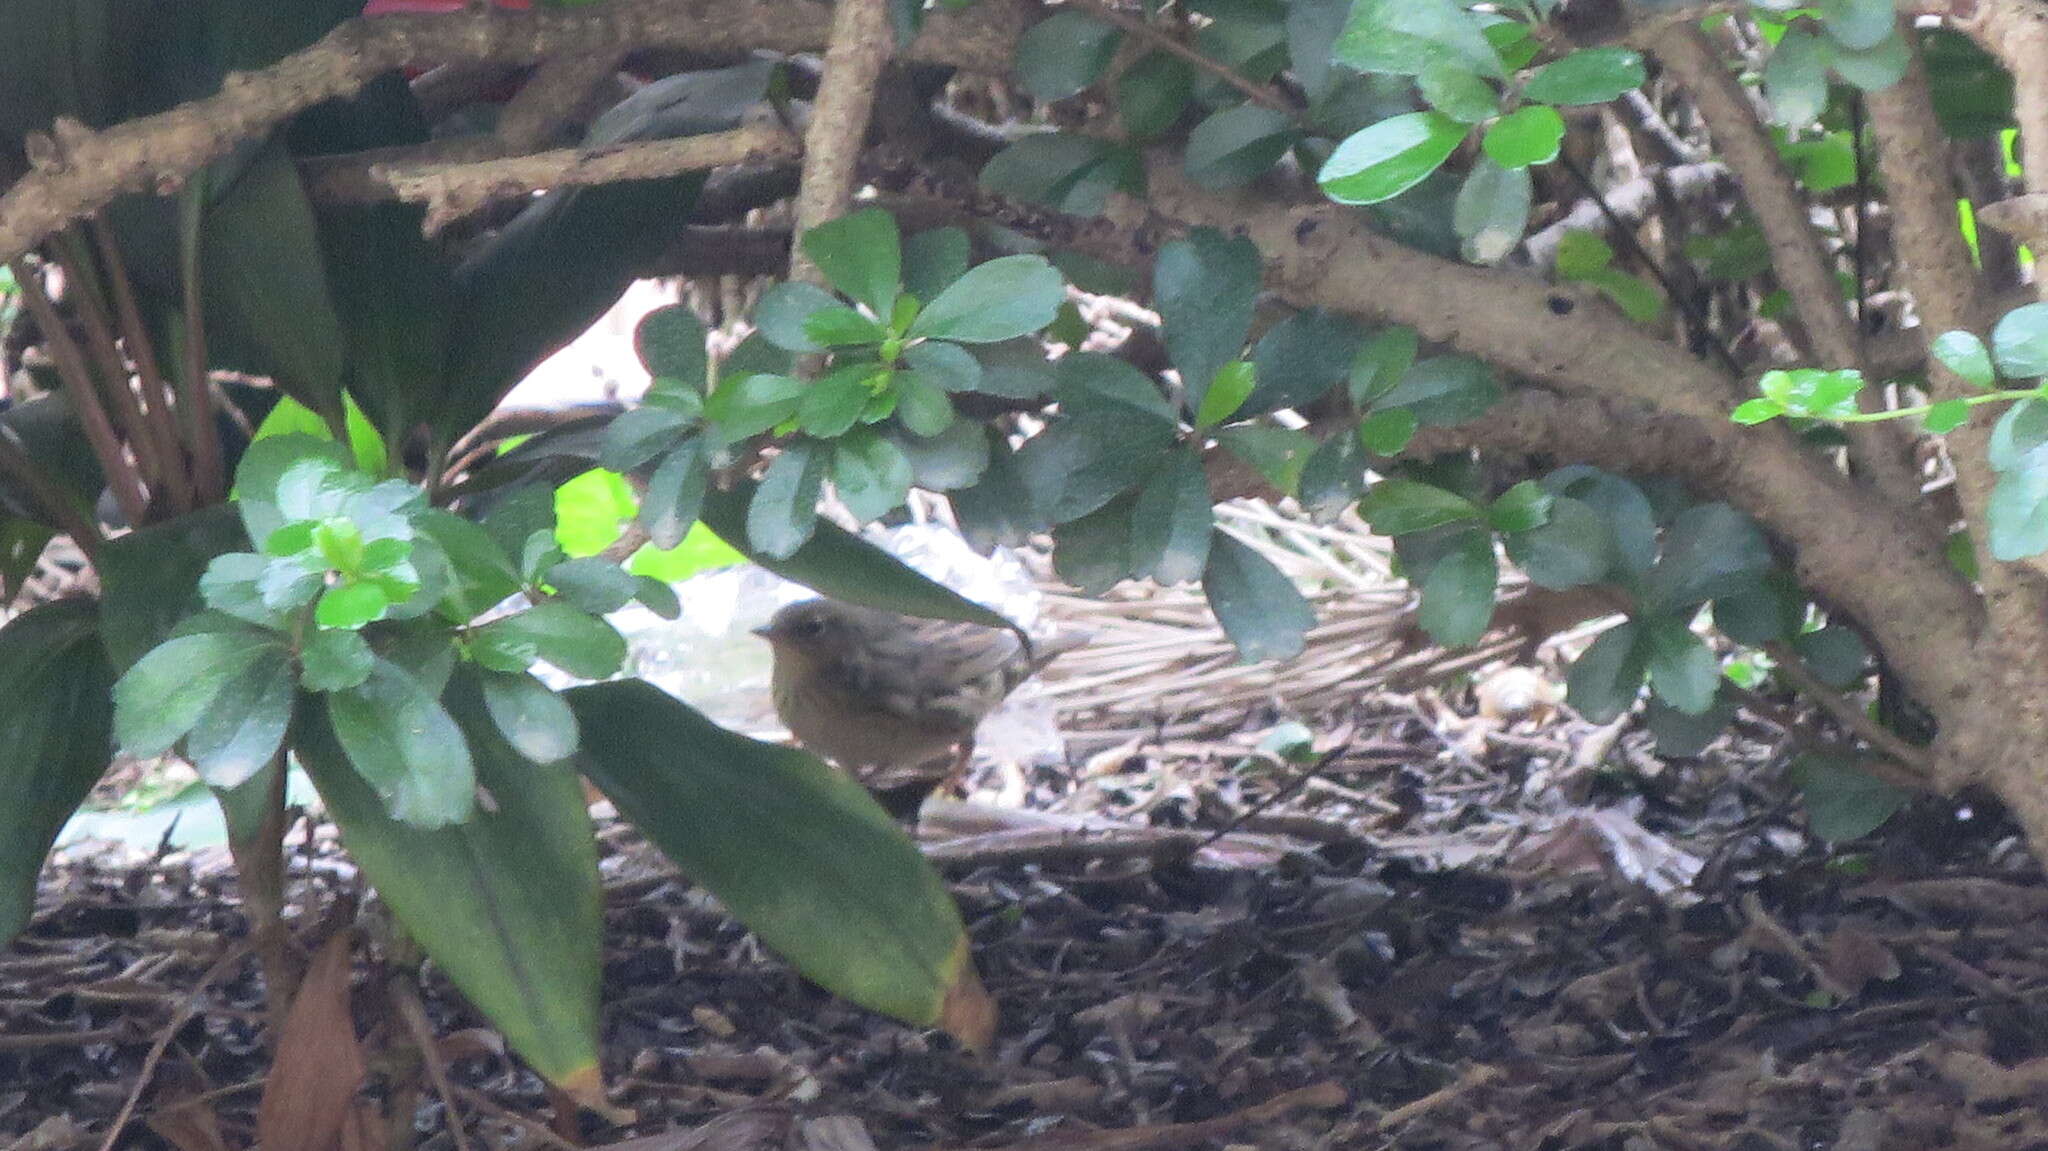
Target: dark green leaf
[1312, 30]
[1064, 53]
[1572, 548]
[1094, 386]
[675, 493]
[573, 640]
[922, 405]
[934, 259]
[1835, 654]
[1000, 507]
[1397, 507]
[1843, 803]
[1710, 551]
[1278, 453]
[1237, 145]
[1093, 554]
[670, 341]
[1390, 157]
[1683, 670]
[784, 310]
[535, 721]
[403, 743]
[1151, 94]
[1531, 134]
[1972, 93]
[241, 732]
[1521, 508]
[593, 584]
[1382, 360]
[506, 902]
[1333, 477]
[1586, 76]
[785, 506]
[1681, 736]
[1772, 609]
[1458, 93]
[333, 660]
[1014, 369]
[1260, 609]
[799, 852]
[640, 434]
[861, 255]
[1457, 594]
[1443, 391]
[1630, 521]
[1075, 466]
[1002, 299]
[56, 738]
[751, 405]
[949, 461]
[948, 367]
[1301, 358]
[1069, 173]
[870, 473]
[1172, 522]
[1796, 79]
[1606, 679]
[167, 691]
[1204, 287]
[1387, 432]
[834, 402]
[841, 327]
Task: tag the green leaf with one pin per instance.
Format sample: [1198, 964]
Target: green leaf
[1312, 30]
[1404, 37]
[1835, 654]
[637, 435]
[593, 584]
[1683, 670]
[1965, 355]
[834, 402]
[1581, 254]
[1813, 391]
[168, 691]
[406, 747]
[1492, 210]
[1396, 507]
[841, 327]
[1586, 76]
[1710, 550]
[334, 660]
[1093, 554]
[949, 461]
[1796, 79]
[670, 341]
[1771, 609]
[239, 735]
[1002, 299]
[1204, 287]
[934, 259]
[1382, 360]
[1000, 507]
[785, 506]
[1172, 522]
[784, 311]
[1278, 453]
[948, 367]
[1681, 736]
[1876, 68]
[1227, 393]
[1063, 54]
[1301, 358]
[1151, 94]
[1381, 162]
[922, 405]
[2017, 512]
[506, 902]
[535, 721]
[1094, 386]
[1458, 93]
[1606, 679]
[861, 255]
[2018, 435]
[1626, 513]
[1457, 594]
[1260, 609]
[1843, 803]
[750, 405]
[1064, 171]
[842, 565]
[1075, 466]
[1756, 411]
[56, 737]
[800, 853]
[870, 473]
[1521, 508]
[1571, 548]
[675, 493]
[351, 605]
[1859, 24]
[290, 417]
[150, 577]
[1333, 477]
[1531, 134]
[2019, 342]
[1237, 145]
[1947, 416]
[571, 639]
[1443, 391]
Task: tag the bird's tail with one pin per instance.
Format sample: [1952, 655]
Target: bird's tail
[1049, 648]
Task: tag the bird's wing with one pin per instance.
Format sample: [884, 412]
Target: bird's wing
[947, 674]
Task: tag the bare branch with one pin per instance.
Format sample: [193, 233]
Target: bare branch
[1137, 27]
[552, 97]
[1631, 201]
[87, 169]
[861, 40]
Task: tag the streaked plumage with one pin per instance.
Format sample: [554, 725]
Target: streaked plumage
[885, 695]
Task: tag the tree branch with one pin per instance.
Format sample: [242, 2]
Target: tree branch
[861, 40]
[81, 170]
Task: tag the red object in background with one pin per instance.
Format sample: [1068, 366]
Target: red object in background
[498, 94]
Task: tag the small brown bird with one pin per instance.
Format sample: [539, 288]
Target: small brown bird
[885, 696]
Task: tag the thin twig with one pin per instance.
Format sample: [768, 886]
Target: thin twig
[17, 464]
[1257, 94]
[195, 398]
[1301, 779]
[83, 288]
[1852, 716]
[186, 1010]
[85, 401]
[156, 391]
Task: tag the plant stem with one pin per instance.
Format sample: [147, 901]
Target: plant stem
[1923, 409]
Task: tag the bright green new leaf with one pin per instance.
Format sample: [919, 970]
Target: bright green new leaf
[1390, 157]
[1813, 391]
[1227, 393]
[1756, 411]
[1531, 134]
[1947, 416]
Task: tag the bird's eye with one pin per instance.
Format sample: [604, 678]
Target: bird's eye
[810, 629]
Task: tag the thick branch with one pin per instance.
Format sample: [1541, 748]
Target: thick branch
[88, 169]
[1797, 254]
[861, 39]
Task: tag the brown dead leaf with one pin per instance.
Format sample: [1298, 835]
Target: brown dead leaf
[311, 1092]
[1855, 957]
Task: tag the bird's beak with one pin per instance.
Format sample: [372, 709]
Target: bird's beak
[765, 631]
